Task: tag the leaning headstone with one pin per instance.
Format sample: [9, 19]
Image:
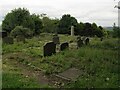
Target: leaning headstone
[79, 42]
[72, 30]
[3, 34]
[49, 49]
[8, 40]
[56, 39]
[86, 41]
[64, 46]
[20, 38]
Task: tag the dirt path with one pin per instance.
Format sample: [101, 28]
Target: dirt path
[26, 70]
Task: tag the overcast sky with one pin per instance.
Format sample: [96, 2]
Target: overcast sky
[101, 12]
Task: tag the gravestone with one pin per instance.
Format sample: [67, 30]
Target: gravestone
[101, 39]
[56, 39]
[83, 38]
[72, 30]
[78, 37]
[49, 49]
[3, 34]
[64, 46]
[87, 41]
[8, 40]
[70, 75]
[79, 42]
[20, 38]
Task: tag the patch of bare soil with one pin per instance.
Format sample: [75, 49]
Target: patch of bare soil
[26, 70]
[53, 80]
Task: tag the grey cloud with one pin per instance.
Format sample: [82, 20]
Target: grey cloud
[80, 9]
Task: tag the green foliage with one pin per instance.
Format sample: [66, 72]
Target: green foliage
[20, 31]
[37, 23]
[88, 29]
[97, 66]
[97, 62]
[50, 25]
[17, 17]
[65, 24]
[12, 80]
[106, 44]
[22, 17]
[79, 29]
[14, 77]
[116, 32]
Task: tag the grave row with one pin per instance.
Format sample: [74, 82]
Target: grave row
[50, 48]
[10, 40]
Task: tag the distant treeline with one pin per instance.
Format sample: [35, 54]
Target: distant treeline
[21, 22]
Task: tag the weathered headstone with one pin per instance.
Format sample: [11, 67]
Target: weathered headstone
[70, 75]
[79, 42]
[83, 38]
[64, 46]
[49, 49]
[20, 38]
[3, 34]
[56, 39]
[8, 40]
[72, 30]
[87, 41]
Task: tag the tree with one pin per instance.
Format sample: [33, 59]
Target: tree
[116, 31]
[87, 29]
[17, 17]
[49, 25]
[100, 32]
[79, 29]
[37, 23]
[20, 31]
[94, 28]
[65, 23]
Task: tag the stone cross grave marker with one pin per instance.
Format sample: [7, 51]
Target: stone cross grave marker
[64, 46]
[8, 40]
[56, 39]
[49, 49]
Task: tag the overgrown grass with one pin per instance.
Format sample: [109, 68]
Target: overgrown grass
[108, 43]
[98, 61]
[98, 65]
[13, 78]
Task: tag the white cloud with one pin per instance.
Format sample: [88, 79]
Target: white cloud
[99, 11]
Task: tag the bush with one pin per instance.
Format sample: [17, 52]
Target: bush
[20, 30]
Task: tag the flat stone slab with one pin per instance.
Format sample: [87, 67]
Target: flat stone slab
[70, 75]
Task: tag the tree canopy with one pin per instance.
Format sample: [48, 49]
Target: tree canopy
[21, 17]
[65, 23]
[49, 25]
[42, 23]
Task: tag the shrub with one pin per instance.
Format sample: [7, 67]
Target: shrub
[20, 30]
